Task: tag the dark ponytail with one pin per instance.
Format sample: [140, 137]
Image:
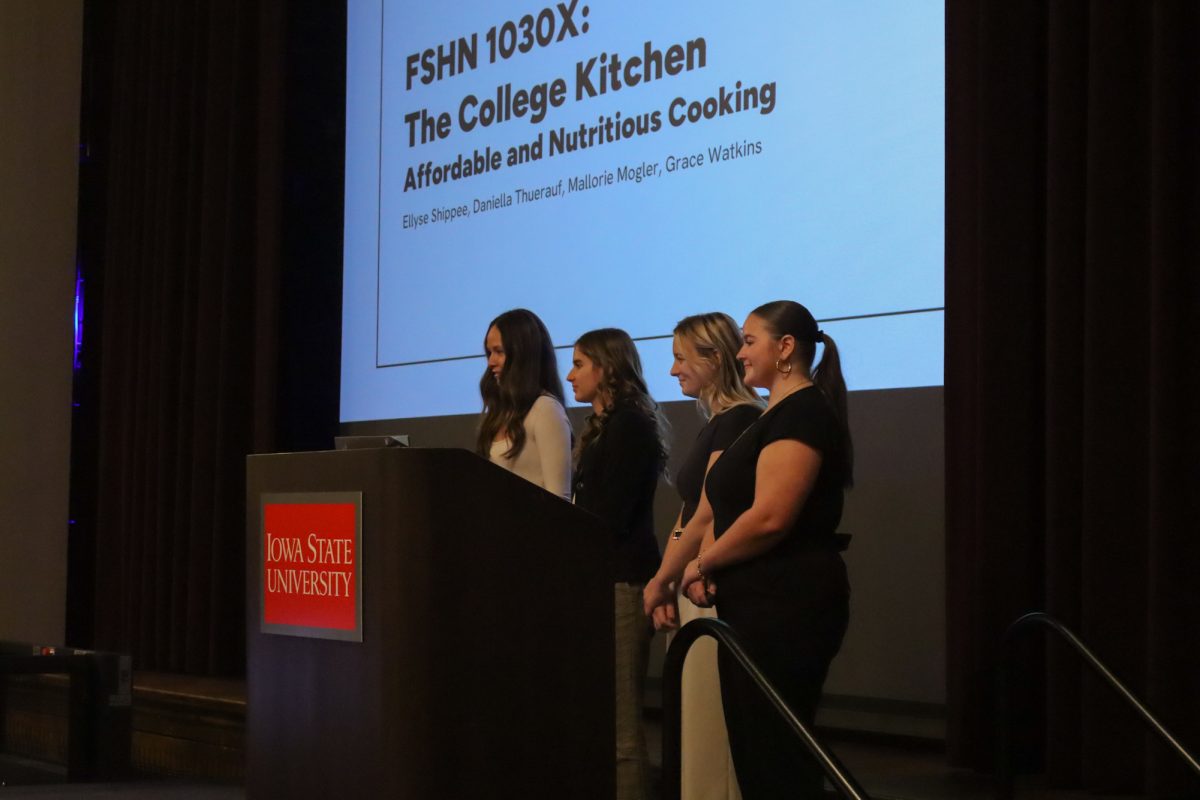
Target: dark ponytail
[789, 318]
[827, 375]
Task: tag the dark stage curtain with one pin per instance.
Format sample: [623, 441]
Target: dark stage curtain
[185, 127]
[1072, 373]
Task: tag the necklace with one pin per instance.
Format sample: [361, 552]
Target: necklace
[763, 416]
[788, 393]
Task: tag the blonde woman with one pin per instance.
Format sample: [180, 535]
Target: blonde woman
[706, 366]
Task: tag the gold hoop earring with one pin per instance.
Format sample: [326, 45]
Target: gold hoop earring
[780, 369]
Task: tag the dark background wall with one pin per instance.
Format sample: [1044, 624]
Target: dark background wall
[1072, 371]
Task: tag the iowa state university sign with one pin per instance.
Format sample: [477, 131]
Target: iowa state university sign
[311, 575]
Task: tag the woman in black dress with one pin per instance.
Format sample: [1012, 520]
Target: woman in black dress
[774, 570]
[707, 368]
[618, 460]
[706, 365]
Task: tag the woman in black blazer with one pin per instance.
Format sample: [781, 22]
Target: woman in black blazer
[618, 460]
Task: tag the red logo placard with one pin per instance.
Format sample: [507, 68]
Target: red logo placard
[311, 566]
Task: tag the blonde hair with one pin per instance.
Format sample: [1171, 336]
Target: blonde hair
[717, 339]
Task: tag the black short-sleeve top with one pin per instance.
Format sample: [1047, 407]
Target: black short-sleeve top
[803, 416]
[718, 433]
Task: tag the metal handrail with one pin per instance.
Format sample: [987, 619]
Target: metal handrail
[841, 779]
[1004, 750]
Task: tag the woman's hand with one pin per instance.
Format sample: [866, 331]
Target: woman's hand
[666, 617]
[700, 590]
[658, 603]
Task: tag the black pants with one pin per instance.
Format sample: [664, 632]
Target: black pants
[791, 615]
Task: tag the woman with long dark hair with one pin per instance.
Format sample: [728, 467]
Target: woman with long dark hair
[524, 427]
[618, 460]
[773, 569]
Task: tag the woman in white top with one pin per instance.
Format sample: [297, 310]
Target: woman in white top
[524, 427]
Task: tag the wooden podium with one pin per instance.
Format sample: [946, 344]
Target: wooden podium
[485, 666]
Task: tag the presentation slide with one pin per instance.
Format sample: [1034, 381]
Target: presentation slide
[625, 164]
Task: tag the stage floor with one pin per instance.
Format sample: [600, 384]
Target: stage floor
[184, 721]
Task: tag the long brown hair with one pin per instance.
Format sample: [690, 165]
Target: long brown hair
[789, 318]
[615, 354]
[530, 370]
[717, 339]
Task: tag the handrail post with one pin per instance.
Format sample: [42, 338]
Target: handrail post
[842, 781]
[672, 721]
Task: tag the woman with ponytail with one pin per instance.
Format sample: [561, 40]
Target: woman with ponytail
[524, 427]
[773, 568]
